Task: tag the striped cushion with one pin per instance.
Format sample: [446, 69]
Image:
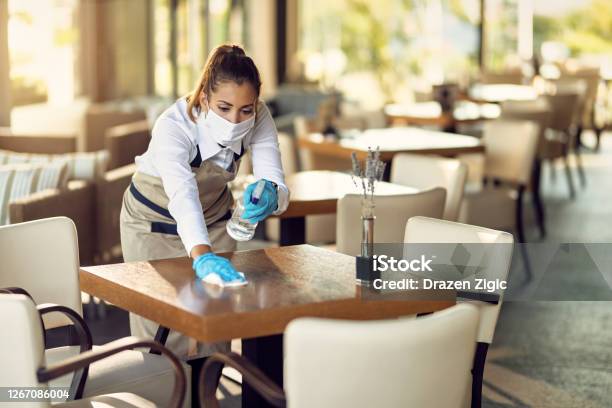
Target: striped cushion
[81, 166]
[21, 180]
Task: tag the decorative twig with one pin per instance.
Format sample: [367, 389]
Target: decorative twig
[370, 173]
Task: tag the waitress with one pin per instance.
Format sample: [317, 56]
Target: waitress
[179, 201]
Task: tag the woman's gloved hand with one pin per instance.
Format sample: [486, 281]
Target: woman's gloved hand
[267, 204]
[209, 263]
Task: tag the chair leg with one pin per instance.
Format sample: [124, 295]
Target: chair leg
[537, 198]
[597, 139]
[520, 232]
[581, 174]
[196, 372]
[478, 373]
[579, 129]
[568, 174]
[553, 171]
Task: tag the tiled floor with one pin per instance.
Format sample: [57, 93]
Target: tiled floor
[545, 354]
[559, 354]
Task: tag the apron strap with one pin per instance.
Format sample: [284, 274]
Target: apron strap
[197, 161]
[163, 227]
[148, 203]
[238, 156]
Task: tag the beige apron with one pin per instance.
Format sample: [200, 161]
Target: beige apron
[147, 234]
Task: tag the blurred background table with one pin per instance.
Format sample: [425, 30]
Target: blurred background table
[431, 114]
[317, 192]
[495, 93]
[391, 141]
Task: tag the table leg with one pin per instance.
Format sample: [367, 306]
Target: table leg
[292, 231]
[161, 336]
[387, 172]
[267, 354]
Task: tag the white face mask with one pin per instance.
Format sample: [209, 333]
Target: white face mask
[225, 132]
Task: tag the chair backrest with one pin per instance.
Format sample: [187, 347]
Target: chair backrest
[569, 85]
[391, 212]
[508, 77]
[100, 117]
[21, 344]
[125, 142]
[537, 111]
[50, 144]
[109, 198]
[42, 257]
[492, 259]
[389, 363]
[425, 172]
[591, 78]
[288, 152]
[315, 161]
[303, 125]
[510, 149]
[564, 107]
[350, 122]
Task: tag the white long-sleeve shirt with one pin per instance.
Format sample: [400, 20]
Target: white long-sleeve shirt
[173, 147]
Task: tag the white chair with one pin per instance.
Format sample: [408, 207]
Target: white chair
[425, 172]
[391, 213]
[565, 109]
[493, 261]
[390, 363]
[509, 158]
[42, 257]
[590, 76]
[23, 362]
[539, 112]
[319, 228]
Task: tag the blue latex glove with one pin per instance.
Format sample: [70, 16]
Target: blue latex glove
[267, 204]
[209, 263]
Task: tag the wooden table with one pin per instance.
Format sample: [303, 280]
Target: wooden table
[391, 142]
[317, 192]
[496, 93]
[431, 114]
[284, 284]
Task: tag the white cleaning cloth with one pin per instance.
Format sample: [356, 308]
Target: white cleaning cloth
[215, 279]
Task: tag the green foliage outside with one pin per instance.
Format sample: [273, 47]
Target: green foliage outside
[385, 38]
[585, 31]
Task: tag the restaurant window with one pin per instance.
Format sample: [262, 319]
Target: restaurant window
[577, 30]
[43, 50]
[501, 35]
[376, 52]
[185, 32]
